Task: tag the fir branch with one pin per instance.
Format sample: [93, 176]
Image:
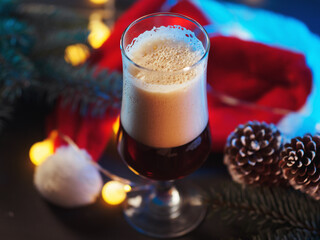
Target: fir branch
[29, 34]
[81, 86]
[257, 209]
[285, 234]
[16, 34]
[17, 73]
[44, 15]
[55, 42]
[7, 7]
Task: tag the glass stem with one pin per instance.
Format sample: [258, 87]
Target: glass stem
[165, 200]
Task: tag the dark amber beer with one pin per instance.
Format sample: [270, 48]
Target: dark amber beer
[164, 132]
[164, 163]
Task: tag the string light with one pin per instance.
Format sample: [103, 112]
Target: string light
[99, 31]
[114, 192]
[76, 54]
[40, 151]
[127, 188]
[116, 125]
[99, 1]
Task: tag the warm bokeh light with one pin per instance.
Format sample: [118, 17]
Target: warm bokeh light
[40, 151]
[99, 1]
[127, 188]
[53, 135]
[99, 31]
[116, 125]
[76, 54]
[114, 192]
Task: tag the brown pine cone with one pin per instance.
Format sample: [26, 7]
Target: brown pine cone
[300, 163]
[252, 154]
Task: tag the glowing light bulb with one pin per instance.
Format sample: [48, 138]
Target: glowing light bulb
[116, 125]
[99, 1]
[114, 192]
[76, 54]
[99, 32]
[40, 151]
[95, 16]
[127, 188]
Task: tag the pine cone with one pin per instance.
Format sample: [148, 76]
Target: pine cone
[252, 154]
[300, 162]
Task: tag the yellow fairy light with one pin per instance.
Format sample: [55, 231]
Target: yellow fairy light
[99, 32]
[127, 188]
[40, 151]
[95, 16]
[114, 192]
[99, 1]
[116, 125]
[76, 54]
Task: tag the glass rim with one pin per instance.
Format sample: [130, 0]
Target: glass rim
[123, 51]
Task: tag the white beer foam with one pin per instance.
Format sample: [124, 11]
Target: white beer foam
[164, 105]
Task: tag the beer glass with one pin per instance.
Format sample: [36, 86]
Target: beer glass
[164, 133]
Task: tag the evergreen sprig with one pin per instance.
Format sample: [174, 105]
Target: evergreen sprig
[55, 42]
[33, 38]
[7, 7]
[16, 34]
[286, 234]
[267, 213]
[44, 15]
[85, 87]
[17, 73]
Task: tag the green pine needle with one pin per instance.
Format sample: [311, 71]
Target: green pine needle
[286, 234]
[17, 73]
[258, 210]
[55, 42]
[16, 34]
[81, 86]
[44, 16]
[7, 7]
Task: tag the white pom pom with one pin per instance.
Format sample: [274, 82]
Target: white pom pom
[68, 179]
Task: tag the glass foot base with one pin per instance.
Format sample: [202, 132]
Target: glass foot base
[180, 215]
